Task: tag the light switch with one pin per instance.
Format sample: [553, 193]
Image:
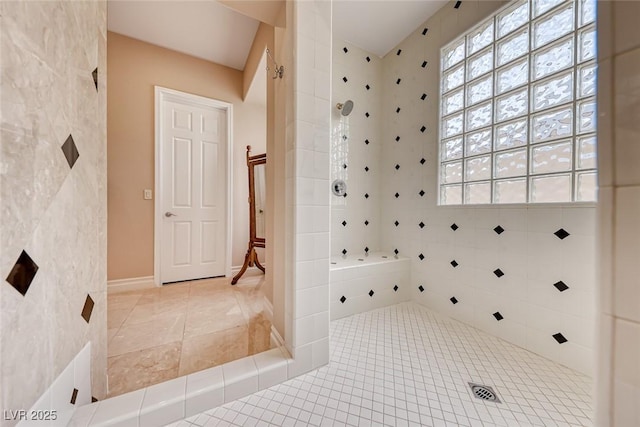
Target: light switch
[147, 195]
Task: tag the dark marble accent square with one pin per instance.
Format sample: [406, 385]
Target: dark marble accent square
[560, 338]
[70, 151]
[344, 166]
[94, 75]
[454, 263]
[344, 195]
[366, 249]
[424, 64]
[344, 79]
[366, 222]
[87, 309]
[396, 251]
[344, 223]
[344, 252]
[421, 225]
[421, 288]
[367, 114]
[498, 230]
[366, 141]
[398, 110]
[366, 168]
[343, 299]
[421, 256]
[396, 223]
[422, 161]
[398, 81]
[453, 300]
[345, 49]
[74, 396]
[22, 273]
[368, 59]
[366, 195]
[397, 138]
[454, 226]
[395, 288]
[498, 316]
[561, 286]
[423, 128]
[562, 234]
[397, 195]
[397, 166]
[457, 5]
[425, 31]
[368, 87]
[371, 293]
[424, 96]
[498, 272]
[399, 52]
[421, 193]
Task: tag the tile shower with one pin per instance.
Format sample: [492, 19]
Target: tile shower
[524, 273]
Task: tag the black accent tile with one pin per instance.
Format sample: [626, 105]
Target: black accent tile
[344, 223]
[421, 288]
[398, 110]
[22, 273]
[399, 52]
[424, 96]
[371, 293]
[344, 79]
[421, 257]
[366, 249]
[398, 81]
[562, 234]
[345, 49]
[366, 141]
[561, 286]
[368, 59]
[454, 226]
[425, 31]
[343, 299]
[366, 195]
[367, 114]
[498, 316]
[344, 166]
[93, 399]
[396, 223]
[396, 251]
[453, 300]
[70, 151]
[366, 222]
[422, 161]
[421, 225]
[421, 193]
[366, 168]
[397, 195]
[457, 5]
[94, 75]
[344, 137]
[498, 272]
[397, 138]
[344, 195]
[87, 309]
[368, 87]
[560, 338]
[397, 166]
[344, 252]
[74, 396]
[424, 64]
[498, 230]
[454, 263]
[395, 288]
[422, 129]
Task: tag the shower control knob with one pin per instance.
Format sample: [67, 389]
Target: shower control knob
[339, 187]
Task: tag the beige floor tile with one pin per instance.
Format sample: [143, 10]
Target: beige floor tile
[123, 300]
[115, 318]
[165, 293]
[213, 319]
[111, 333]
[147, 334]
[162, 309]
[132, 371]
[259, 335]
[213, 349]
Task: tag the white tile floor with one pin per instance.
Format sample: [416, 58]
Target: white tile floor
[405, 365]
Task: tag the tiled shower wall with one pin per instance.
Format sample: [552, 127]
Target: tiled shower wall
[509, 270]
[356, 144]
[53, 190]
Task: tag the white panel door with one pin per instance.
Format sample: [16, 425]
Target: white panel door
[194, 186]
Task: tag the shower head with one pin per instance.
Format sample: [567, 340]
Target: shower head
[345, 109]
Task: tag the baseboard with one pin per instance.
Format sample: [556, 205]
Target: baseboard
[132, 284]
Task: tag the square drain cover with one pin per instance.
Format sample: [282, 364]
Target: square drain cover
[484, 392]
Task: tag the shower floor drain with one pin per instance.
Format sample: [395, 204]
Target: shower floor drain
[484, 392]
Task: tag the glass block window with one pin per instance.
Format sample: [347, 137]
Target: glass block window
[518, 107]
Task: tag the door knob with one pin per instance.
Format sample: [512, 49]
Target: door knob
[169, 214]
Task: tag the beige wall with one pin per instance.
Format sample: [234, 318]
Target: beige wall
[134, 68]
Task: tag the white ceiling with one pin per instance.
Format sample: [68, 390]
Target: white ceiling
[204, 29]
[378, 26]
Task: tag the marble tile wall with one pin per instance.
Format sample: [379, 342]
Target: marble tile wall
[501, 280]
[356, 144]
[53, 191]
[618, 368]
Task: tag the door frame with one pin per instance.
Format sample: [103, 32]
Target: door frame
[163, 94]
